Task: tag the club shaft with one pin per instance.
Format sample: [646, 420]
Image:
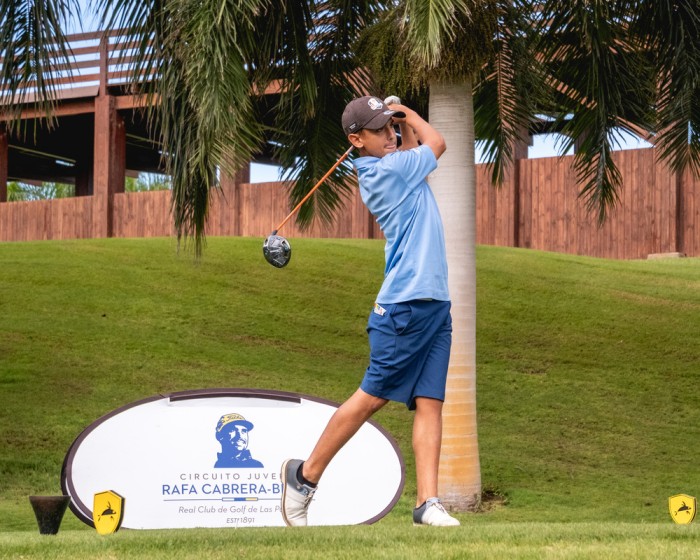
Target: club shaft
[313, 189]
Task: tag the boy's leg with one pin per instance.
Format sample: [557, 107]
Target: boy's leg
[345, 422]
[341, 427]
[427, 438]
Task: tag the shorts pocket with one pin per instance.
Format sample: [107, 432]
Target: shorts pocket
[401, 314]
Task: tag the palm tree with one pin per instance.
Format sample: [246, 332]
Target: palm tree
[594, 68]
[443, 59]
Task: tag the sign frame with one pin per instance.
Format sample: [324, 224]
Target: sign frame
[84, 512]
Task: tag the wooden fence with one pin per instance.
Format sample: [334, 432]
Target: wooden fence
[66, 218]
[246, 209]
[659, 212]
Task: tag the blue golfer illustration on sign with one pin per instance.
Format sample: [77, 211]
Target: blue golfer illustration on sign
[233, 431]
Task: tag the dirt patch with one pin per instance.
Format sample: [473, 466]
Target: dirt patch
[492, 499]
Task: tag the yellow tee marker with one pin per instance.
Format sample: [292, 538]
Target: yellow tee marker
[682, 508]
[107, 512]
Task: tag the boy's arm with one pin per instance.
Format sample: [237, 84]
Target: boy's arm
[419, 130]
[408, 137]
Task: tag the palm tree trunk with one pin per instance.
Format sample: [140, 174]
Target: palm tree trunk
[454, 184]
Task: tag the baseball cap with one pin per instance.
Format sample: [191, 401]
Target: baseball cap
[367, 112]
[232, 418]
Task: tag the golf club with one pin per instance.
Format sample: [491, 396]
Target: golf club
[276, 249]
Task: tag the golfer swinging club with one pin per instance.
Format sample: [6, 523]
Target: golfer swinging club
[410, 327]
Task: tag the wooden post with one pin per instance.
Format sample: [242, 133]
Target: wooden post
[3, 165]
[109, 161]
[231, 223]
[104, 64]
[517, 169]
[243, 176]
[680, 212]
[83, 179]
[370, 224]
[84, 169]
[521, 145]
[520, 152]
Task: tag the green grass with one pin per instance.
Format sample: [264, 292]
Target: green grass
[589, 412]
[384, 540]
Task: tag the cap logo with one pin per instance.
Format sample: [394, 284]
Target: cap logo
[374, 104]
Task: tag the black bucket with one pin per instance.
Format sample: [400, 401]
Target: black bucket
[49, 512]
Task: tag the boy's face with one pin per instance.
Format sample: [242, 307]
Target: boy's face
[375, 142]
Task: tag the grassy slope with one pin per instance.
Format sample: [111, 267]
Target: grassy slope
[587, 383]
[588, 380]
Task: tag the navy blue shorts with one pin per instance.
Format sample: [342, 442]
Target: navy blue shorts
[409, 351]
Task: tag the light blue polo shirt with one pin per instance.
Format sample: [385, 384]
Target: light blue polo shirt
[395, 191]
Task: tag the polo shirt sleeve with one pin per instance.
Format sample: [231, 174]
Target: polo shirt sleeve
[415, 165]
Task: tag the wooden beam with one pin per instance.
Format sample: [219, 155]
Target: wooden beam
[63, 110]
[134, 101]
[69, 107]
[243, 175]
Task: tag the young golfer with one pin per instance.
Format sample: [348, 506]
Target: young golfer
[410, 328]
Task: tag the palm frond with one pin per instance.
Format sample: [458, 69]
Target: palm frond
[669, 32]
[320, 76]
[382, 49]
[431, 27]
[198, 54]
[207, 114]
[216, 59]
[510, 90]
[33, 44]
[601, 78]
[447, 40]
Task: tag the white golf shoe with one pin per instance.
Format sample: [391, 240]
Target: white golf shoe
[296, 496]
[433, 513]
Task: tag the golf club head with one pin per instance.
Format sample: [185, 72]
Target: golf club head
[277, 251]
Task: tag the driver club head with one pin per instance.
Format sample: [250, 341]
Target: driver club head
[277, 251]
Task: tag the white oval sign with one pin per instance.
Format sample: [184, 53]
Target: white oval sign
[212, 458]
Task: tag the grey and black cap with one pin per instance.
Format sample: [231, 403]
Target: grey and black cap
[367, 112]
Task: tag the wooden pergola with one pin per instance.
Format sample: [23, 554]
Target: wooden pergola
[99, 134]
